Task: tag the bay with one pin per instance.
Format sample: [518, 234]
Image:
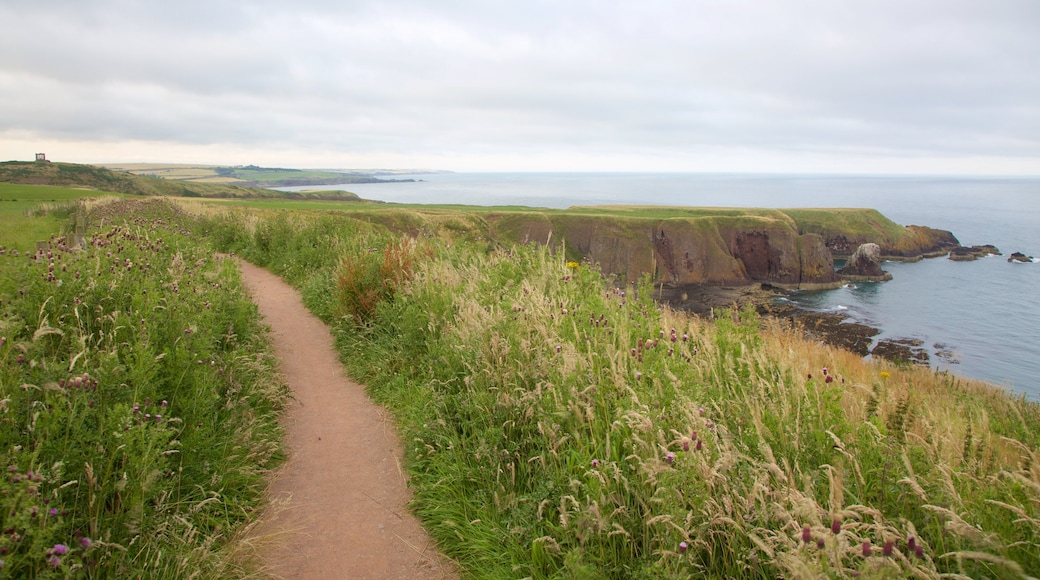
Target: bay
[985, 313]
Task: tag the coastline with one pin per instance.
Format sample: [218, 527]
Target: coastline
[830, 328]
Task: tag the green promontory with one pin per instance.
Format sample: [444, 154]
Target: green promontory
[99, 178]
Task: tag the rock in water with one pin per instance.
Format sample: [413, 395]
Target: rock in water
[1020, 257]
[865, 264]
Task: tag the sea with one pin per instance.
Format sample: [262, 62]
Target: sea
[977, 319]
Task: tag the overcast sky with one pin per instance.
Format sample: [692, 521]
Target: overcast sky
[863, 86]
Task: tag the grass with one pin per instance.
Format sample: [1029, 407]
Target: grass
[559, 427]
[138, 404]
[31, 213]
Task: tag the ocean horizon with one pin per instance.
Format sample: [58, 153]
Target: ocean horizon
[982, 316]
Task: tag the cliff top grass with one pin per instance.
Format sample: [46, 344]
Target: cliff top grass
[559, 427]
[36, 212]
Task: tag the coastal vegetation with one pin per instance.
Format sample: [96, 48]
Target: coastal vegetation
[138, 401]
[558, 426]
[252, 175]
[72, 175]
[558, 421]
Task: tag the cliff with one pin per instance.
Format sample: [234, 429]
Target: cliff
[844, 230]
[683, 246]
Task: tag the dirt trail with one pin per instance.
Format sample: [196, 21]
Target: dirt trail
[343, 488]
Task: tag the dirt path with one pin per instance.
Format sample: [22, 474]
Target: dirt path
[341, 496]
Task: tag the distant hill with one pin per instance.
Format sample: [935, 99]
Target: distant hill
[254, 175]
[102, 179]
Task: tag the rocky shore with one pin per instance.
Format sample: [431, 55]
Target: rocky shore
[827, 327]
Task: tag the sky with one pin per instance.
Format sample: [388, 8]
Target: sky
[805, 86]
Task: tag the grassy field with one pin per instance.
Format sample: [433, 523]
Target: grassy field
[258, 176]
[558, 427]
[36, 212]
[138, 403]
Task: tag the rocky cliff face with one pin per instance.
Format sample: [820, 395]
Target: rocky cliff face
[729, 249]
[680, 252]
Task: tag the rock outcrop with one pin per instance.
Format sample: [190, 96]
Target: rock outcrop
[967, 254]
[1020, 257]
[865, 265]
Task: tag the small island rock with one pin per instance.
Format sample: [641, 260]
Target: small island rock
[967, 254]
[865, 264]
[1019, 257]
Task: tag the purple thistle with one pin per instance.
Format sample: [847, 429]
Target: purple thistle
[85, 543]
[699, 445]
[60, 549]
[54, 561]
[820, 543]
[669, 457]
[836, 527]
[595, 462]
[682, 547]
[866, 549]
[911, 543]
[54, 511]
[685, 445]
[919, 550]
[806, 534]
[639, 375]
[887, 550]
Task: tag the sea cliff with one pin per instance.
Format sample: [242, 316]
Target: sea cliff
[719, 247]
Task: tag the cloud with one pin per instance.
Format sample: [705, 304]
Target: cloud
[510, 85]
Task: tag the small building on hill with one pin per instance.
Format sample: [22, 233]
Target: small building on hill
[41, 157]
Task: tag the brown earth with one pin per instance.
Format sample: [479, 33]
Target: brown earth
[339, 503]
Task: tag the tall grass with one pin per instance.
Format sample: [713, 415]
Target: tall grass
[138, 404]
[558, 427]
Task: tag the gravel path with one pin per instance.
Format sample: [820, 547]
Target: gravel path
[340, 500]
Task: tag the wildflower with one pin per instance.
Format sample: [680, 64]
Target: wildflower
[85, 543]
[669, 457]
[682, 547]
[829, 379]
[54, 561]
[595, 462]
[911, 543]
[836, 527]
[60, 549]
[685, 337]
[806, 534]
[685, 445]
[699, 445]
[53, 511]
[639, 375]
[163, 403]
[885, 374]
[693, 436]
[887, 550]
[824, 371]
[820, 544]
[559, 348]
[919, 550]
[866, 549]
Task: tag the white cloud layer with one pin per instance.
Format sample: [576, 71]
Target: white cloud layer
[923, 86]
